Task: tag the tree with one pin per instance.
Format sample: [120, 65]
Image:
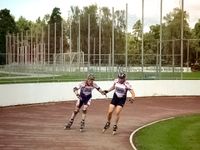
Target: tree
[55, 19]
[92, 11]
[134, 43]
[106, 29]
[120, 27]
[172, 31]
[155, 31]
[150, 43]
[196, 43]
[74, 26]
[173, 24]
[197, 29]
[55, 16]
[137, 30]
[23, 25]
[7, 25]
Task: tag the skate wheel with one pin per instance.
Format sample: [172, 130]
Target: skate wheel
[114, 132]
[66, 128]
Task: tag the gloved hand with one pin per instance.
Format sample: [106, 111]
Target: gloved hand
[78, 96]
[105, 91]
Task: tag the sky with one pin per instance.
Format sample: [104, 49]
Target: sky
[32, 9]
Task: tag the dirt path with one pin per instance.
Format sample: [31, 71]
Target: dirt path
[40, 126]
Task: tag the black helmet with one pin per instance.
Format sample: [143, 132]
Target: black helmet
[91, 77]
[121, 75]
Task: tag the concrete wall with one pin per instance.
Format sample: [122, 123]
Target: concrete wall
[14, 94]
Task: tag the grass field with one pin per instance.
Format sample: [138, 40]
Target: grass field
[181, 133]
[8, 75]
[101, 76]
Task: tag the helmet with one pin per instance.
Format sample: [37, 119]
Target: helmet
[91, 77]
[121, 75]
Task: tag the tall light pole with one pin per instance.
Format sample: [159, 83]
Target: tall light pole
[113, 39]
[160, 60]
[62, 30]
[88, 42]
[99, 39]
[70, 43]
[79, 42]
[126, 48]
[182, 19]
[142, 54]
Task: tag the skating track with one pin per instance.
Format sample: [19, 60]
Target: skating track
[40, 126]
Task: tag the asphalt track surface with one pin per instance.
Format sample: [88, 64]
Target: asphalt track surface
[40, 126]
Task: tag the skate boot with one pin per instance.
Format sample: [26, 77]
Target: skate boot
[68, 126]
[82, 125]
[107, 125]
[114, 129]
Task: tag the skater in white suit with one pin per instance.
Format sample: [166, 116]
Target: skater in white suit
[120, 87]
[84, 95]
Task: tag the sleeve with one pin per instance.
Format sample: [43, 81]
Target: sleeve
[128, 86]
[115, 81]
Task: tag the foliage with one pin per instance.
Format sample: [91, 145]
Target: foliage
[7, 25]
[103, 17]
[96, 19]
[23, 25]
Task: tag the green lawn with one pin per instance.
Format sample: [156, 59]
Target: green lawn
[67, 77]
[102, 76]
[8, 75]
[181, 133]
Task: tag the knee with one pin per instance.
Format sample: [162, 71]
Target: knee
[76, 112]
[118, 114]
[84, 111]
[110, 113]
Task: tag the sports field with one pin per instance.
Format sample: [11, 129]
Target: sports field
[40, 126]
[78, 76]
[181, 133]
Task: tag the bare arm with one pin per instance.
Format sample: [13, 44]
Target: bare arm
[76, 92]
[133, 95]
[102, 92]
[111, 88]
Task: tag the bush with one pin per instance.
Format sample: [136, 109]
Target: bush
[195, 67]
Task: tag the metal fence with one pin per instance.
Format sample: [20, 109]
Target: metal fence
[75, 67]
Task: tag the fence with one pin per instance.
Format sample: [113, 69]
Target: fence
[75, 67]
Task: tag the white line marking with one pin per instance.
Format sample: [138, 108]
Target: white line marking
[133, 133]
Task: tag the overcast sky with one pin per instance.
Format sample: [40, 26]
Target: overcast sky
[32, 9]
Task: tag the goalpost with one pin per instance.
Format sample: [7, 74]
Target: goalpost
[70, 61]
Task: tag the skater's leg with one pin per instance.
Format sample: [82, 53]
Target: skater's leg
[118, 111]
[109, 117]
[71, 120]
[73, 115]
[79, 104]
[110, 112]
[84, 111]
